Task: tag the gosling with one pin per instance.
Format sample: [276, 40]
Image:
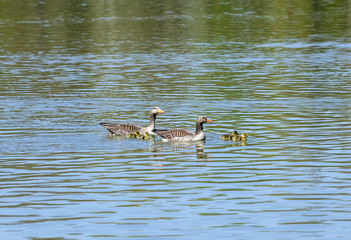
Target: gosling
[238, 138]
[229, 137]
[144, 136]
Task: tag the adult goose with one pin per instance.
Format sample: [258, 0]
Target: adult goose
[125, 129]
[183, 134]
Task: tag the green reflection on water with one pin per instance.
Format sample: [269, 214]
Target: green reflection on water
[148, 26]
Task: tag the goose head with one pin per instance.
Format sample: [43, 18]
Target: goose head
[203, 119]
[156, 110]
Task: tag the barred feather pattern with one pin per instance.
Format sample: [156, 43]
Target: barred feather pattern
[176, 135]
[121, 129]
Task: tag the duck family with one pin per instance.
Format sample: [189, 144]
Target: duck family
[131, 130]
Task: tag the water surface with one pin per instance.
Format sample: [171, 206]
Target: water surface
[276, 70]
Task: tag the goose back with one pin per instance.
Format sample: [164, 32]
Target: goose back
[175, 134]
[121, 129]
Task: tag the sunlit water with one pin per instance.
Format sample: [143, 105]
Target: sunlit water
[64, 177]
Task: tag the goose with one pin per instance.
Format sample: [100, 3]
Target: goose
[243, 137]
[125, 129]
[229, 137]
[183, 134]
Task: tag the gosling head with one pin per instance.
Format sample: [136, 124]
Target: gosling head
[235, 133]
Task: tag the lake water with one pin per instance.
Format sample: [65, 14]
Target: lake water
[278, 70]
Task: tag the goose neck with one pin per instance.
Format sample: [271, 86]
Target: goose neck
[152, 123]
[199, 128]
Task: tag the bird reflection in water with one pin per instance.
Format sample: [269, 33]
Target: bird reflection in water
[181, 148]
[240, 143]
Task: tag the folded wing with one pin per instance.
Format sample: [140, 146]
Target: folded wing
[121, 129]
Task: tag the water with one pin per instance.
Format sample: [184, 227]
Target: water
[278, 71]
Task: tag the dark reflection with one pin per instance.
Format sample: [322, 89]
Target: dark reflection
[239, 144]
[235, 143]
[157, 147]
[181, 148]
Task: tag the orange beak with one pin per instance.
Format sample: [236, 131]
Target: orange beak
[160, 111]
[208, 120]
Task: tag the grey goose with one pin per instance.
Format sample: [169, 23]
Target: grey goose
[125, 129]
[183, 134]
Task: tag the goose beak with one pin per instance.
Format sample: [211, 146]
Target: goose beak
[208, 120]
[160, 111]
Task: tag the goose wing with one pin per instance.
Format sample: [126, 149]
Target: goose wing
[121, 129]
[175, 134]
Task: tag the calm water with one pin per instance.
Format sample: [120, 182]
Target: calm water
[278, 70]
